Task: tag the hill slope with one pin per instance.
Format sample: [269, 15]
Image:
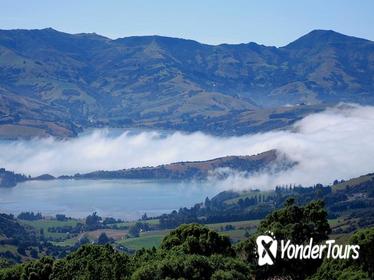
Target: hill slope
[192, 169]
[56, 83]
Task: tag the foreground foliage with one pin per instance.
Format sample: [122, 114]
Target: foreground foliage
[196, 252]
[360, 269]
[190, 252]
[294, 223]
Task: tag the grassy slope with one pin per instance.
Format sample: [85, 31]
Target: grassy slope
[145, 240]
[151, 238]
[353, 182]
[154, 238]
[47, 223]
[249, 194]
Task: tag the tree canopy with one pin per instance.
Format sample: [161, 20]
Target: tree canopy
[197, 239]
[295, 223]
[194, 251]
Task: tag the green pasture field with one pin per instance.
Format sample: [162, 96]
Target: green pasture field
[47, 223]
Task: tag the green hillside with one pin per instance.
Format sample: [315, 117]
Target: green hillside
[55, 83]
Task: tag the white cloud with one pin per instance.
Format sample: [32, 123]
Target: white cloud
[335, 144]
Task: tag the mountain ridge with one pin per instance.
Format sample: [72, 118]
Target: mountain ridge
[312, 33]
[87, 80]
[188, 170]
[183, 170]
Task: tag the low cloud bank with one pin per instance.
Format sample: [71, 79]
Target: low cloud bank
[335, 144]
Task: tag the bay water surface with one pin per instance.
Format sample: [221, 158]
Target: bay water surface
[126, 199]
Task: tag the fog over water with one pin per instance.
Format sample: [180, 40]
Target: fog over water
[335, 144]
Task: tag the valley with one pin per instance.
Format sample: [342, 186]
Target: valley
[349, 205]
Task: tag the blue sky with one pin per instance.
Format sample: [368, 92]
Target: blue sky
[268, 22]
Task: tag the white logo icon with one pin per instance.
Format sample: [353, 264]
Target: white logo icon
[266, 249]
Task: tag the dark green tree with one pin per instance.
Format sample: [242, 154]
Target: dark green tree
[175, 267]
[298, 224]
[190, 267]
[294, 223]
[38, 269]
[197, 239]
[365, 239]
[4, 263]
[103, 239]
[134, 231]
[362, 268]
[93, 262]
[11, 273]
[339, 270]
[93, 221]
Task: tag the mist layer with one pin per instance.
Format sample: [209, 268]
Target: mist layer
[335, 144]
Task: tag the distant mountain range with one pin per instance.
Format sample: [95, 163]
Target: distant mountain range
[54, 83]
